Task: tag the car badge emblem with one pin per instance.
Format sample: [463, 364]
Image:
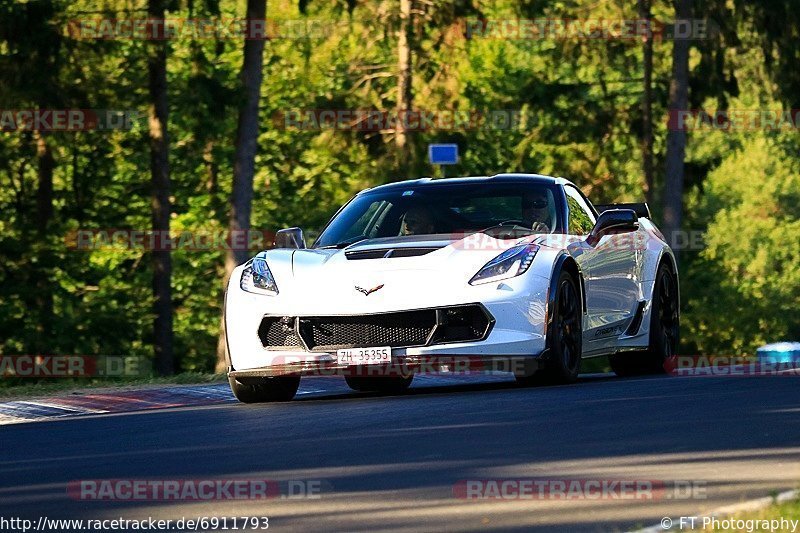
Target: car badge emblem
[367, 292]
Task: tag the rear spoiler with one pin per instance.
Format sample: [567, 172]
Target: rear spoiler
[641, 209]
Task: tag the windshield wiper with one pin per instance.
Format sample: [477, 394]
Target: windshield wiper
[343, 244]
[516, 228]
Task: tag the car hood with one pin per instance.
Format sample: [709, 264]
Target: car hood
[376, 273]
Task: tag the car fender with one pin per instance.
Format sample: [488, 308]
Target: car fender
[563, 262]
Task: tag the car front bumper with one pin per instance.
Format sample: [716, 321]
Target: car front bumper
[517, 308]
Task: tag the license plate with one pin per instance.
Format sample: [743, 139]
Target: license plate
[364, 356]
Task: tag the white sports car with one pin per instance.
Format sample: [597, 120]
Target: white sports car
[514, 272]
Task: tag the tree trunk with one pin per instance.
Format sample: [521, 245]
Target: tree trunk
[405, 67]
[44, 208]
[647, 102]
[212, 170]
[676, 138]
[159, 174]
[245, 153]
[44, 191]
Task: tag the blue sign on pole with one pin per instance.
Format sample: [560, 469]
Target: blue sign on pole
[443, 154]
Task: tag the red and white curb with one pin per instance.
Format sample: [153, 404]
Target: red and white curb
[87, 402]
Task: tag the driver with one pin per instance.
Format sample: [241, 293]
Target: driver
[535, 212]
[417, 221]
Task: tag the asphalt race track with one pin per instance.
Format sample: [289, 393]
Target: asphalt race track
[391, 462]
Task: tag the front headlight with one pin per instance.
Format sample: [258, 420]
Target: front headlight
[511, 263]
[257, 278]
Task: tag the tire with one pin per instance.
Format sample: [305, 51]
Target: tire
[664, 330]
[379, 383]
[260, 390]
[564, 338]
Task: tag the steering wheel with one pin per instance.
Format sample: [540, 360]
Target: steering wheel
[512, 221]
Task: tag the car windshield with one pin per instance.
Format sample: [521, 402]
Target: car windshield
[434, 209]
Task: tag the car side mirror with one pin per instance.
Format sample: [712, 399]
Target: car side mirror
[613, 221]
[289, 238]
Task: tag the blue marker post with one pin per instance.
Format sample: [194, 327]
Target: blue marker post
[443, 154]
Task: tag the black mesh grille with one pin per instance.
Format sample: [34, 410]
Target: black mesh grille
[406, 328]
[400, 329]
[279, 332]
[460, 324]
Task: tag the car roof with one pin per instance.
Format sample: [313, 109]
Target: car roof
[497, 178]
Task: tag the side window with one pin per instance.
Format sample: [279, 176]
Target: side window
[367, 222]
[581, 218]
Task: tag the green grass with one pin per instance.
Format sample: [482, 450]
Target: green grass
[788, 510]
[19, 388]
[595, 365]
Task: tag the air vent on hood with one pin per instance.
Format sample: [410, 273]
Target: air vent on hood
[385, 253]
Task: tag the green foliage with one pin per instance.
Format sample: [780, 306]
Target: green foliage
[746, 284]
